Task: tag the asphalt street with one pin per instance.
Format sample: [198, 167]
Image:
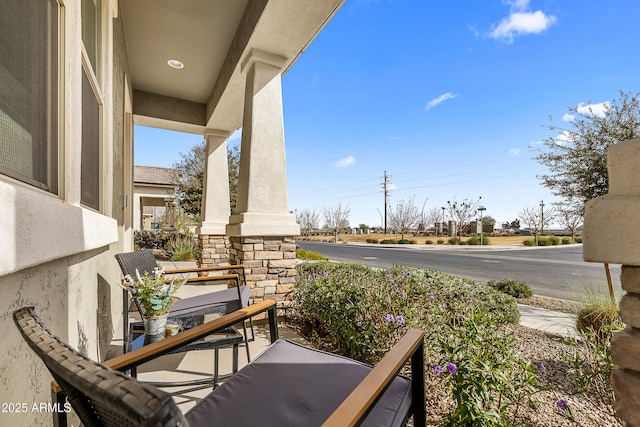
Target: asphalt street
[556, 271]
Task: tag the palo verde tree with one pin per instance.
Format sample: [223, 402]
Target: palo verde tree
[336, 218]
[188, 175]
[404, 217]
[577, 156]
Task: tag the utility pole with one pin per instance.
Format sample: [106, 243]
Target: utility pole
[385, 190]
[541, 216]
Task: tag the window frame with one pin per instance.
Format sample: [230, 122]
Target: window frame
[95, 85]
[55, 110]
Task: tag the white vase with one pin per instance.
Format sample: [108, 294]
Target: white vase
[154, 325]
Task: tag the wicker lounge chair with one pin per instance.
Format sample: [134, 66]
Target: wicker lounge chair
[287, 385]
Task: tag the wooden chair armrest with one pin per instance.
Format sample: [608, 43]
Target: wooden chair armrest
[202, 269]
[357, 405]
[149, 352]
[218, 278]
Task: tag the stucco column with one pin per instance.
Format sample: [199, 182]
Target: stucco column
[262, 204]
[215, 194]
[262, 231]
[214, 247]
[612, 235]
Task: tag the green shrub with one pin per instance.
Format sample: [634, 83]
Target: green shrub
[597, 317]
[529, 242]
[181, 247]
[428, 242]
[591, 361]
[485, 376]
[511, 287]
[553, 240]
[454, 241]
[388, 242]
[363, 311]
[440, 242]
[578, 239]
[404, 242]
[372, 240]
[309, 255]
[349, 304]
[567, 240]
[542, 241]
[475, 240]
[149, 239]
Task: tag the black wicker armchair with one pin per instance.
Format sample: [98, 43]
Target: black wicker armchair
[221, 301]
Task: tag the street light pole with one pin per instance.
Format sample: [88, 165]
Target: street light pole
[541, 216]
[442, 223]
[481, 209]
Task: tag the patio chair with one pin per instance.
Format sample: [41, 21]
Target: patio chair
[286, 385]
[222, 301]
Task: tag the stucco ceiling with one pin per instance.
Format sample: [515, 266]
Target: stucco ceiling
[211, 38]
[196, 32]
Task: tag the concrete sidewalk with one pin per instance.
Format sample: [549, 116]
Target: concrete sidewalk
[552, 322]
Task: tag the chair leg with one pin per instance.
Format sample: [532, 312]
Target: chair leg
[216, 368]
[246, 341]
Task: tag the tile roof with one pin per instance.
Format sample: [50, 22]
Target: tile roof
[152, 175]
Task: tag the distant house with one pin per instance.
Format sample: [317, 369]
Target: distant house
[153, 188]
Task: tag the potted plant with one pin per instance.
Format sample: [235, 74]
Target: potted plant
[154, 296]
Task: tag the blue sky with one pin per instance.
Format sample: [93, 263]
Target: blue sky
[447, 98]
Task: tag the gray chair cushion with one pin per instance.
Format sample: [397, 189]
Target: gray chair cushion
[292, 385]
[224, 301]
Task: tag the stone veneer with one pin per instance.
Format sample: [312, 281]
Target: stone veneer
[214, 250]
[270, 266]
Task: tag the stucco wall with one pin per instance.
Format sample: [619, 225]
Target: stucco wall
[56, 255]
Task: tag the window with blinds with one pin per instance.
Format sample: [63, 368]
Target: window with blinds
[29, 92]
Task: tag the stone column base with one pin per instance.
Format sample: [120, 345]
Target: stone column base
[214, 250]
[270, 266]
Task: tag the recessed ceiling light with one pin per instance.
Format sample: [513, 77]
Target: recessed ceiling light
[174, 63]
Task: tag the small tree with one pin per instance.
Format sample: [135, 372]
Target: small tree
[432, 217]
[577, 156]
[336, 218]
[535, 219]
[404, 217]
[462, 213]
[515, 224]
[188, 175]
[570, 217]
[309, 220]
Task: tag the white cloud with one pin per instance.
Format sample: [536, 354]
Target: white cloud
[514, 152]
[392, 187]
[563, 138]
[568, 117]
[599, 110]
[345, 162]
[521, 21]
[439, 100]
